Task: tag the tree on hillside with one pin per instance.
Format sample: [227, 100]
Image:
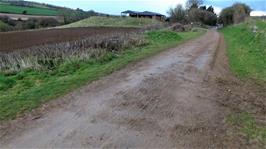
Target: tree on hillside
[24, 12]
[177, 14]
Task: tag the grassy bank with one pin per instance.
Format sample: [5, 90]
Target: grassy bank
[23, 91]
[247, 49]
[114, 22]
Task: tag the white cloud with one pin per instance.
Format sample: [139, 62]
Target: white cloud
[163, 6]
[217, 10]
[258, 13]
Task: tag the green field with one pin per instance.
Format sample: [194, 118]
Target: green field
[114, 22]
[247, 49]
[25, 90]
[7, 8]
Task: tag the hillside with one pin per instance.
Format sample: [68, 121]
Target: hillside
[41, 9]
[6, 7]
[37, 15]
[247, 48]
[113, 22]
[246, 51]
[28, 4]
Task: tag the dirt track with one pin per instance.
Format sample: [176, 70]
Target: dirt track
[164, 101]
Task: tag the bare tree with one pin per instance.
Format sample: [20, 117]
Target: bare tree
[193, 4]
[177, 14]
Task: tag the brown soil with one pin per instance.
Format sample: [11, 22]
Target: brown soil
[10, 41]
[175, 99]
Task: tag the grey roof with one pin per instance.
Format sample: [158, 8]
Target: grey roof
[146, 13]
[130, 11]
[152, 13]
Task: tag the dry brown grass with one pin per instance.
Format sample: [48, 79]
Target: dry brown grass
[51, 55]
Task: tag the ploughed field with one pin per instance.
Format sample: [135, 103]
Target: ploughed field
[10, 41]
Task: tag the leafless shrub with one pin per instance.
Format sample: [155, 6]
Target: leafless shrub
[51, 55]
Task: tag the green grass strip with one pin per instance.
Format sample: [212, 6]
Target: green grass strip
[247, 50]
[246, 124]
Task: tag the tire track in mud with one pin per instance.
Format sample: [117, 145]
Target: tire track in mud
[160, 102]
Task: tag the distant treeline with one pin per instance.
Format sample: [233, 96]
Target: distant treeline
[33, 23]
[195, 11]
[31, 4]
[69, 16]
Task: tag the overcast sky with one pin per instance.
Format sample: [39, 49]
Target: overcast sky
[161, 6]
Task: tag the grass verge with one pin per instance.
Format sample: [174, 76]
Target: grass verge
[23, 91]
[247, 49]
[247, 124]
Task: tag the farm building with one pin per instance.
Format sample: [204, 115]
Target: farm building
[144, 14]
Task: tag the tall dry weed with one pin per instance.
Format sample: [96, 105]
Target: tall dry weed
[52, 55]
